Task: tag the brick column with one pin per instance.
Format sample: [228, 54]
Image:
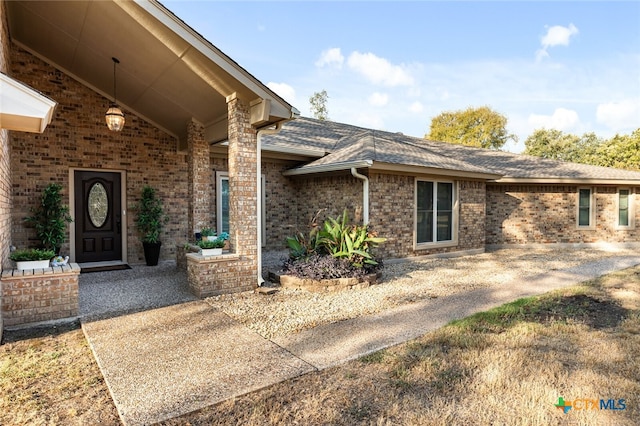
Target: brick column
[242, 189]
[200, 189]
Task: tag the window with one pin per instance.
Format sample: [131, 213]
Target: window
[222, 204]
[624, 208]
[435, 212]
[585, 217]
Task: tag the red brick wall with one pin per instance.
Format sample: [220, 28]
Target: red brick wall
[281, 204]
[526, 214]
[79, 138]
[242, 192]
[392, 215]
[35, 295]
[330, 195]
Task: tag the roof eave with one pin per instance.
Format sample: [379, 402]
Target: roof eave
[571, 181]
[23, 108]
[409, 169]
[326, 168]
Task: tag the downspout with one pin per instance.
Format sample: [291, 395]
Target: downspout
[268, 131]
[365, 195]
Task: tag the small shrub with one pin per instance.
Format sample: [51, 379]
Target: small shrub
[352, 242]
[50, 218]
[208, 232]
[26, 255]
[217, 243]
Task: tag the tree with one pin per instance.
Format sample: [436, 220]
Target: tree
[556, 145]
[319, 105]
[480, 127]
[621, 151]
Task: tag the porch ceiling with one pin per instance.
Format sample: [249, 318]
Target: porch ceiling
[167, 74]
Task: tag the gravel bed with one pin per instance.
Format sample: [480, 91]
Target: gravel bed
[292, 310]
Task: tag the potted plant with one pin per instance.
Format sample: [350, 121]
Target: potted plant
[31, 258]
[149, 221]
[211, 247]
[50, 218]
[208, 234]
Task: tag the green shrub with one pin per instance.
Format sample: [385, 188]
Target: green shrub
[50, 218]
[339, 239]
[217, 243]
[26, 255]
[150, 216]
[352, 242]
[207, 232]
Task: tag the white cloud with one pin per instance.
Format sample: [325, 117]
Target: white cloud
[330, 57]
[285, 91]
[378, 99]
[619, 116]
[416, 107]
[561, 119]
[556, 35]
[379, 70]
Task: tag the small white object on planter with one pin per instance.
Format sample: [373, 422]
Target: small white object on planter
[211, 252]
[32, 264]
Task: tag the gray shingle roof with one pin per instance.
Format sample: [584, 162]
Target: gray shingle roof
[344, 144]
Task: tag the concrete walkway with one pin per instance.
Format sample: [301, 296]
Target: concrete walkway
[170, 361]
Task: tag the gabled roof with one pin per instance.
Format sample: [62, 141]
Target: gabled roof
[347, 146]
[168, 73]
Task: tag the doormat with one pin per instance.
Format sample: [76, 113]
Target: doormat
[105, 268]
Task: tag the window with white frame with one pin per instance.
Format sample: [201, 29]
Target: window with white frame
[222, 204]
[585, 217]
[436, 214]
[625, 216]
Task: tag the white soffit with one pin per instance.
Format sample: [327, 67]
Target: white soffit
[22, 108]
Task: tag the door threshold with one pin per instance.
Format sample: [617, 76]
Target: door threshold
[100, 264]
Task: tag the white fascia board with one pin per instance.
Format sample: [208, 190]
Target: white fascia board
[280, 109]
[568, 181]
[334, 167]
[23, 108]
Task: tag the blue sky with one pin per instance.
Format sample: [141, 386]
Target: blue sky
[572, 66]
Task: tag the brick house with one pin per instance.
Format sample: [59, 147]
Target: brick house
[432, 197]
[197, 127]
[179, 94]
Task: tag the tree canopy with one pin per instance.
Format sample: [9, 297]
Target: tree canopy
[318, 103]
[479, 127]
[621, 151]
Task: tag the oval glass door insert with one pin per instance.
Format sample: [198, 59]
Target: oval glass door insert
[98, 204]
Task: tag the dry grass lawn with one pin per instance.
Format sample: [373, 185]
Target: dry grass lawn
[49, 377]
[507, 366]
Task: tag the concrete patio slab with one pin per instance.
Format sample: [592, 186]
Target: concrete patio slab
[113, 293]
[166, 362]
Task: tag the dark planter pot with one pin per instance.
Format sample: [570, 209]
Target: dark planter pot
[152, 253]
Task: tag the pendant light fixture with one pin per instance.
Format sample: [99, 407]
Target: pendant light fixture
[114, 116]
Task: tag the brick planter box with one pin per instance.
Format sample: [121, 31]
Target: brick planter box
[35, 295]
[214, 275]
